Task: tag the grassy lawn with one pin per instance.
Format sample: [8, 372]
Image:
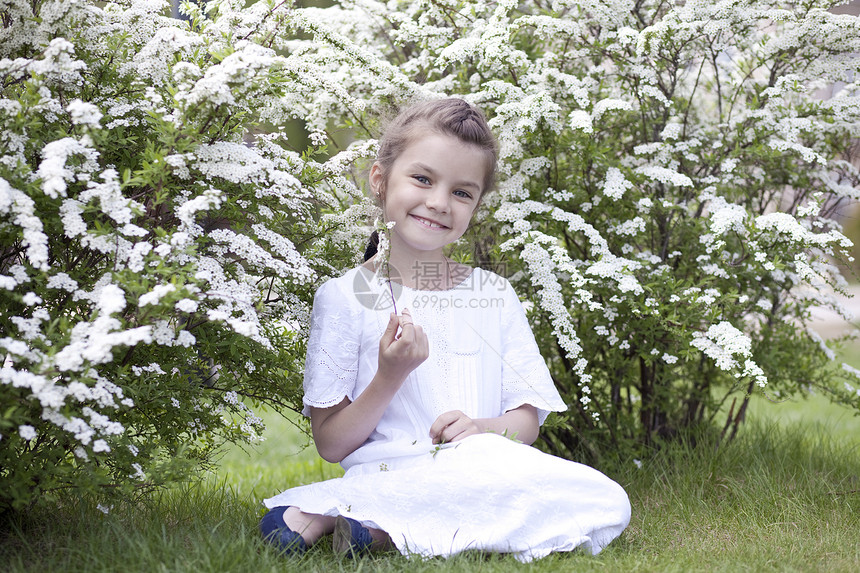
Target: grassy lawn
[785, 496]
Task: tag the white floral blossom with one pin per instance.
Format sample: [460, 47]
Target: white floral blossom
[187, 305]
[726, 217]
[138, 474]
[664, 175]
[27, 432]
[723, 343]
[156, 294]
[23, 207]
[31, 299]
[210, 199]
[581, 119]
[54, 169]
[608, 104]
[84, 113]
[615, 184]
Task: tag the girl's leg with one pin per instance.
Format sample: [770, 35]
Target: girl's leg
[381, 540]
[310, 526]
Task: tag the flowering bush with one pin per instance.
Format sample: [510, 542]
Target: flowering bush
[670, 173]
[157, 260]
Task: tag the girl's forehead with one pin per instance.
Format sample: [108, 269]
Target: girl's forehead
[443, 153]
[432, 141]
[441, 144]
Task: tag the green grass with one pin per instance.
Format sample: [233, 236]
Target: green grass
[785, 496]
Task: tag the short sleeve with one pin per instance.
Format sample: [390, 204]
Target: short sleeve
[525, 376]
[331, 364]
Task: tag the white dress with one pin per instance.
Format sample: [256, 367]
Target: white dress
[485, 492]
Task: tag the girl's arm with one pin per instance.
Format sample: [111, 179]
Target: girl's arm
[340, 430]
[521, 422]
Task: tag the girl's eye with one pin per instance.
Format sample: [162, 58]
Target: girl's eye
[463, 194]
[421, 179]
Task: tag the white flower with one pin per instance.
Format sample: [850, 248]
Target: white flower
[729, 165]
[185, 339]
[138, 472]
[31, 299]
[27, 432]
[84, 113]
[580, 119]
[666, 176]
[101, 446]
[723, 343]
[187, 305]
[22, 212]
[210, 199]
[54, 170]
[151, 367]
[62, 281]
[111, 299]
[631, 227]
[615, 183]
[155, 295]
[608, 104]
[726, 217]
[671, 131]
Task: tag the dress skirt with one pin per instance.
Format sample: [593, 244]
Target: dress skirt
[485, 492]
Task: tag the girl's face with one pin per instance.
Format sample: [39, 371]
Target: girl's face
[431, 192]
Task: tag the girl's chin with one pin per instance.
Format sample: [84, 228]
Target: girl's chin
[419, 246]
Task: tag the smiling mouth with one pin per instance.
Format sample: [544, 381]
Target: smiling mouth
[428, 223]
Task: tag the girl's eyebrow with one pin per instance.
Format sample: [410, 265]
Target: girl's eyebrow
[465, 183]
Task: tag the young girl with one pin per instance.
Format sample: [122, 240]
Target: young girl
[424, 381]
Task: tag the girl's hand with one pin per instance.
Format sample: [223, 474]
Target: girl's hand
[401, 354]
[452, 426]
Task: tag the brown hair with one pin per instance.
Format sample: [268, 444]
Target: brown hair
[451, 116]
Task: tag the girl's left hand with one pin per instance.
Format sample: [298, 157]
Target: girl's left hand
[452, 426]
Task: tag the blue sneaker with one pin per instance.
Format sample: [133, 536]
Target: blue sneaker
[275, 531]
[350, 537]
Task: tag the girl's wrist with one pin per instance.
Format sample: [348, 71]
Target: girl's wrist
[387, 378]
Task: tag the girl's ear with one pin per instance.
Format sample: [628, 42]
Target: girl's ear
[376, 179]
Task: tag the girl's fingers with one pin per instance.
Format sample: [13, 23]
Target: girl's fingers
[450, 433]
[390, 332]
[421, 343]
[440, 423]
[400, 354]
[439, 431]
[407, 326]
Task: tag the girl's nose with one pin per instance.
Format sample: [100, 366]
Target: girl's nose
[437, 199]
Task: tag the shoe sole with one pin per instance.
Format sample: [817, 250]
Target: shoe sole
[342, 538]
